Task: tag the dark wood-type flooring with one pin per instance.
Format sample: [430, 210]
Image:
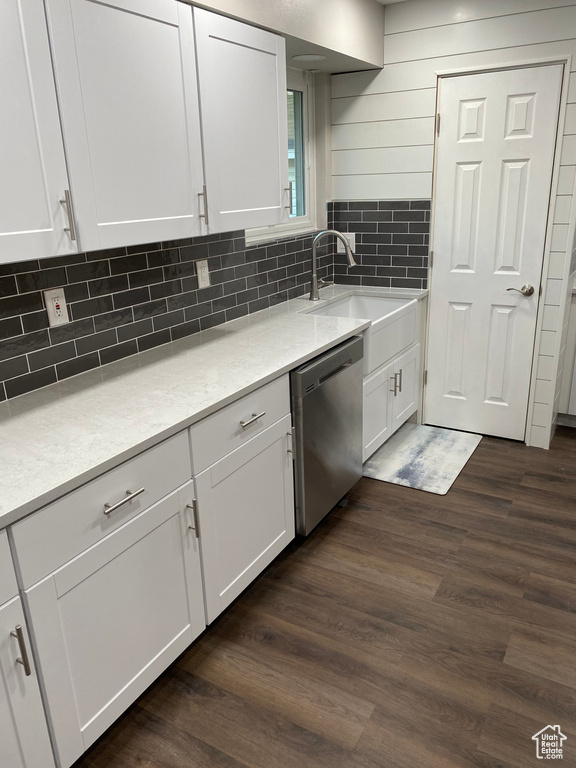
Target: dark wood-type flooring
[408, 631]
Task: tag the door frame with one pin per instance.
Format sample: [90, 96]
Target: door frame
[566, 62]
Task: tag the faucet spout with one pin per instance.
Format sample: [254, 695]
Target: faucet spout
[314, 296]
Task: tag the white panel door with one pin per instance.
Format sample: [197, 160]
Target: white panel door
[32, 165]
[109, 621]
[246, 510]
[242, 83]
[24, 741]
[125, 72]
[494, 167]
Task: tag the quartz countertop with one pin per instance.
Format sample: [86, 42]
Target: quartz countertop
[57, 438]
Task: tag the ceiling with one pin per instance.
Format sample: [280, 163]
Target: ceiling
[333, 62]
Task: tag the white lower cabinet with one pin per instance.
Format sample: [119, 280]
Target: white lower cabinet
[390, 398]
[246, 513]
[24, 741]
[119, 576]
[109, 621]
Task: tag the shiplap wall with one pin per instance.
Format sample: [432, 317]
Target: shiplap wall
[383, 132]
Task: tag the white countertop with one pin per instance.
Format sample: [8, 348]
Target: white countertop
[54, 439]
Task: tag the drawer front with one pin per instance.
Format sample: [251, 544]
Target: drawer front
[222, 432]
[58, 532]
[8, 585]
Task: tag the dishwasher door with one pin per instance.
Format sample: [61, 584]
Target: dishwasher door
[327, 414]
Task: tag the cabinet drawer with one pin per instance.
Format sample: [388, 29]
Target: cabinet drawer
[60, 531]
[222, 432]
[8, 586]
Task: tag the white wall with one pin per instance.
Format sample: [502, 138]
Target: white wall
[383, 131]
[351, 27]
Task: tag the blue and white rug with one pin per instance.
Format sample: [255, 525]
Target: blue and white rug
[427, 458]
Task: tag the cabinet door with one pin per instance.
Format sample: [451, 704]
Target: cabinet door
[405, 402]
[32, 165]
[377, 410]
[246, 511]
[126, 79]
[24, 741]
[242, 83]
[109, 621]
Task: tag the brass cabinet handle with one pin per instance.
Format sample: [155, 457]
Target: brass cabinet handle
[109, 508]
[23, 658]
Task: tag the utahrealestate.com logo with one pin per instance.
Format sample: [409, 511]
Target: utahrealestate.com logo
[549, 743]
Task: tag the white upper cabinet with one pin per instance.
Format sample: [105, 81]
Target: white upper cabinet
[242, 84]
[126, 81]
[32, 166]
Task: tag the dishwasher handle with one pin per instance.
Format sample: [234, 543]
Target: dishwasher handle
[334, 373]
[318, 371]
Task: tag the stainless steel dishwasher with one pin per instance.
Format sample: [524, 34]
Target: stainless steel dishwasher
[327, 415]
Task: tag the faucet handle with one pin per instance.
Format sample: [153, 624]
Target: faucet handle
[323, 283]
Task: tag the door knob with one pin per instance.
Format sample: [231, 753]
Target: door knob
[526, 290]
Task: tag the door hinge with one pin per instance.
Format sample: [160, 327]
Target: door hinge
[425, 378]
[431, 259]
[438, 124]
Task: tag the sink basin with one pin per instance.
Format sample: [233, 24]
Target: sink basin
[362, 307]
[392, 328]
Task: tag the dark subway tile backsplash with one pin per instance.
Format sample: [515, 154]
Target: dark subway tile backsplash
[391, 236]
[126, 300]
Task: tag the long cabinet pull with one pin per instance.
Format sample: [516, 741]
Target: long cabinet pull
[23, 658]
[195, 527]
[395, 379]
[288, 189]
[255, 417]
[400, 380]
[204, 195]
[67, 203]
[109, 508]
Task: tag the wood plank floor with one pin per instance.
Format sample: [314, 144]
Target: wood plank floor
[409, 630]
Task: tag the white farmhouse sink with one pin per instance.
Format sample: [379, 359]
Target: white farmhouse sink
[393, 325]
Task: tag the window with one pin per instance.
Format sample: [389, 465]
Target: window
[301, 161]
[296, 153]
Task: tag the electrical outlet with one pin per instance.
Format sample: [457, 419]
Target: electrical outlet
[202, 273]
[56, 306]
[351, 237]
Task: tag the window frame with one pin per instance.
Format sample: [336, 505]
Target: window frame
[302, 81]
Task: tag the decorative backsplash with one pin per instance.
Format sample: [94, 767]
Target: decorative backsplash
[126, 300]
[392, 242]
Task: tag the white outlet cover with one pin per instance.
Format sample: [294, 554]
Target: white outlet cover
[202, 273]
[351, 237]
[56, 306]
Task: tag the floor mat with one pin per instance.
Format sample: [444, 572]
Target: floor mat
[427, 458]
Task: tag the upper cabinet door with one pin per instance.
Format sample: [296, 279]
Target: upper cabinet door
[242, 83]
[126, 82]
[32, 165]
